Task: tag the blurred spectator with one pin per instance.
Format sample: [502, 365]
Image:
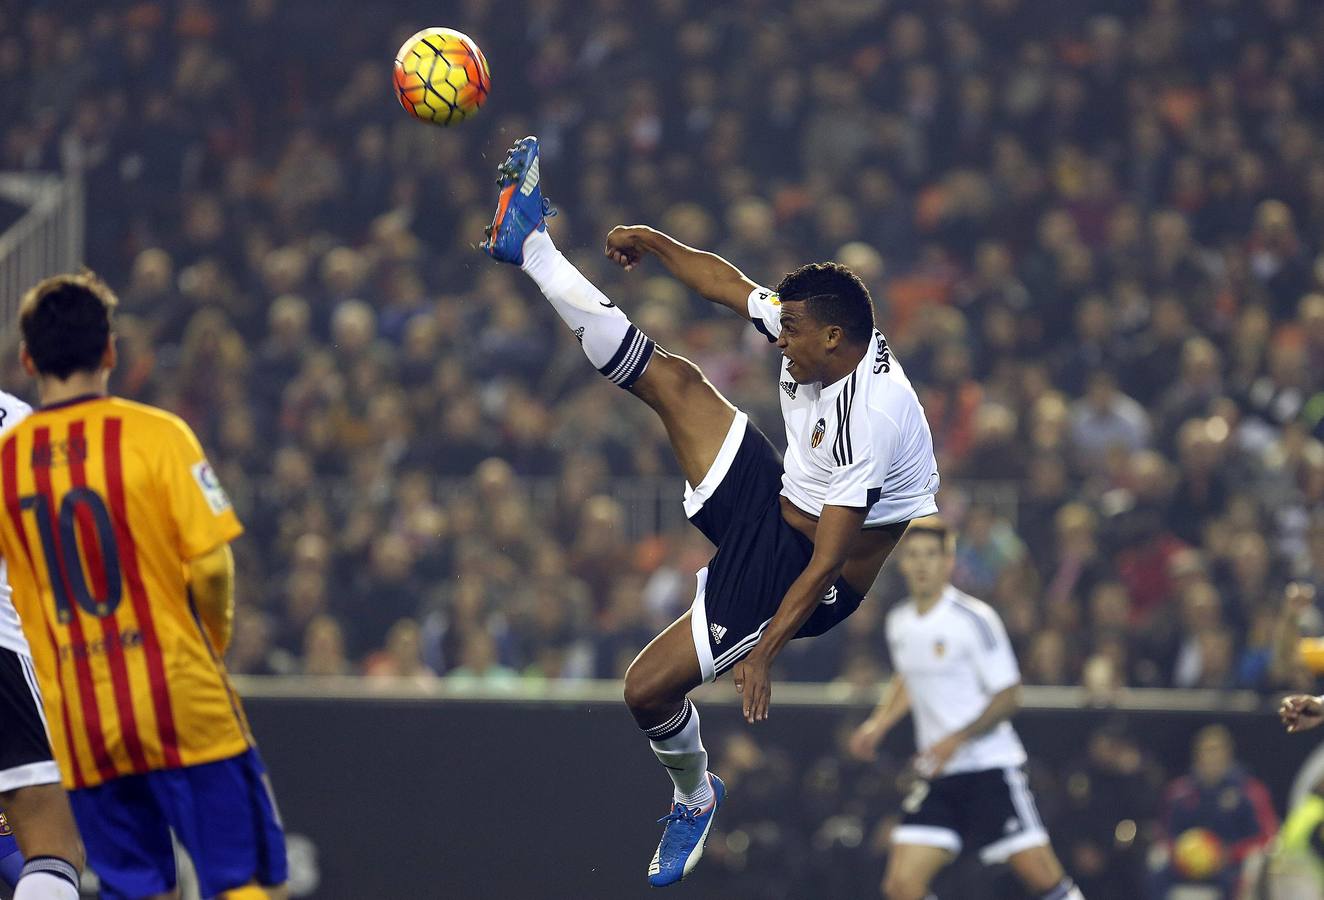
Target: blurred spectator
[1222, 799]
[1110, 795]
[401, 662]
[479, 667]
[1095, 243]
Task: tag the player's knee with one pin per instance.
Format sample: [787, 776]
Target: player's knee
[641, 689]
[676, 377]
[1038, 870]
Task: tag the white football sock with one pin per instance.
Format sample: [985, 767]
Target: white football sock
[1066, 890]
[677, 745]
[610, 341]
[47, 878]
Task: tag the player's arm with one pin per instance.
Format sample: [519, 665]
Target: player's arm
[837, 527]
[1001, 707]
[891, 709]
[211, 581]
[707, 274]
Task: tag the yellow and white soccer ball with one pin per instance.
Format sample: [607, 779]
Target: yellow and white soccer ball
[441, 76]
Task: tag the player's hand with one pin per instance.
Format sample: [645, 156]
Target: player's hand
[931, 762]
[754, 685]
[1301, 712]
[626, 245]
[864, 741]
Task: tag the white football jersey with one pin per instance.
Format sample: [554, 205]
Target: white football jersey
[860, 441]
[12, 411]
[953, 659]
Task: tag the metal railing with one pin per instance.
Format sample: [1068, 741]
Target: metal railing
[46, 240]
[835, 694]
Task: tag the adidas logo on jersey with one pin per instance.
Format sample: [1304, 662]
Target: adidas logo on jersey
[790, 387]
[718, 631]
[830, 597]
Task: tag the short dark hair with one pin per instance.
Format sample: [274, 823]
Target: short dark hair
[834, 295]
[65, 322]
[934, 526]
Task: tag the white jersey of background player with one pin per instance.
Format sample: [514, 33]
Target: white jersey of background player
[955, 671]
[12, 411]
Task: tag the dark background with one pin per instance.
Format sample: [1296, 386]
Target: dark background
[456, 799]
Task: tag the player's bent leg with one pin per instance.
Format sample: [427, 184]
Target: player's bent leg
[663, 673]
[696, 415]
[656, 686]
[48, 838]
[911, 868]
[1042, 875]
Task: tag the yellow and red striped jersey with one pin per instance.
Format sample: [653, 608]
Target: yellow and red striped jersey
[105, 502]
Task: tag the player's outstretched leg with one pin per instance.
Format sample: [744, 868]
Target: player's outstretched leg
[697, 418]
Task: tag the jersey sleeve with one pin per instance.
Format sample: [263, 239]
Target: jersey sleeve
[765, 311]
[203, 516]
[861, 454]
[994, 659]
[12, 411]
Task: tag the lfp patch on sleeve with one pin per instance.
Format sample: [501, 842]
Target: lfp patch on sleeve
[210, 486]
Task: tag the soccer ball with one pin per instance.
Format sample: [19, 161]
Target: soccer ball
[441, 76]
[1197, 853]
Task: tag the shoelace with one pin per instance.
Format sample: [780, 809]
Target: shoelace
[680, 813]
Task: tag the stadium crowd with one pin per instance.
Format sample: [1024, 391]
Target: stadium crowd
[1092, 232]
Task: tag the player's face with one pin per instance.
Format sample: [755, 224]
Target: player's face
[803, 342]
[925, 563]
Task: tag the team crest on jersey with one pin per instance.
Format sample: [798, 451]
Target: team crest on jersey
[5, 830]
[820, 428]
[790, 387]
[939, 648]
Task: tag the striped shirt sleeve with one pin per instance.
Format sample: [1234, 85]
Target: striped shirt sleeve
[765, 311]
[991, 652]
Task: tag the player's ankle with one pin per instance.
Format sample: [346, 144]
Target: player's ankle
[47, 878]
[538, 248]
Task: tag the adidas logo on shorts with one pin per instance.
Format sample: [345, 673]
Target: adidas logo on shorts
[718, 632]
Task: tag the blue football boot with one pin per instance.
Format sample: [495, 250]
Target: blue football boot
[521, 207]
[682, 840]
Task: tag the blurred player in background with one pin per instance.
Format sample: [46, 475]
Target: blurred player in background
[956, 672]
[117, 537]
[1296, 870]
[37, 817]
[798, 543]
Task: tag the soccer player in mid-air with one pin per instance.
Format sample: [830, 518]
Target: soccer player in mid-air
[956, 673]
[41, 855]
[117, 533]
[797, 544]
